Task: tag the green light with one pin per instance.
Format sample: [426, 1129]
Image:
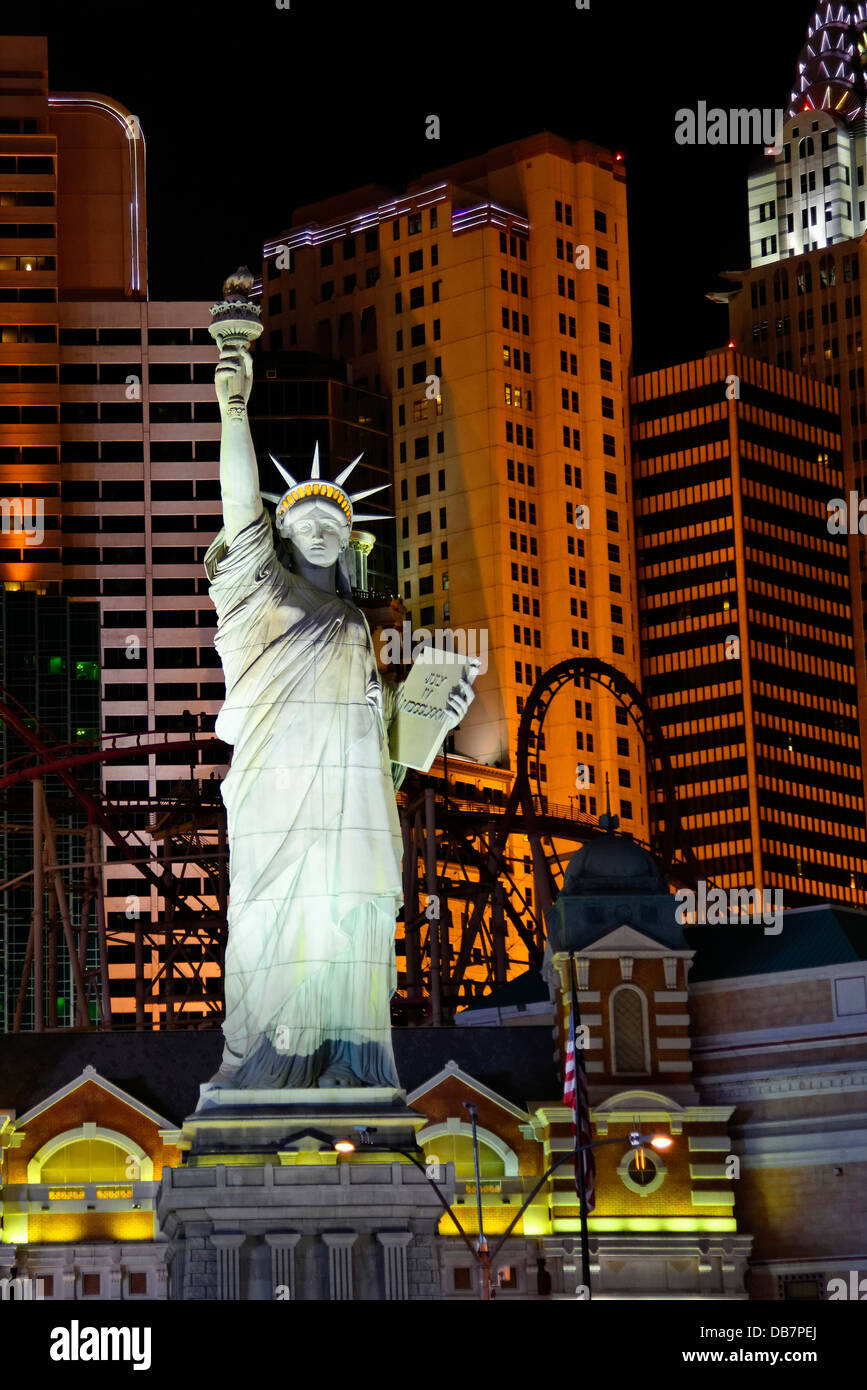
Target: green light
[87, 670]
[57, 665]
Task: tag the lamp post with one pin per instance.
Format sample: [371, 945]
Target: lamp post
[480, 1252]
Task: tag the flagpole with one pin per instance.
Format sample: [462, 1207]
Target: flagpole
[580, 1175]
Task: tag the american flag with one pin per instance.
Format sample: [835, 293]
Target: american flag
[575, 1095]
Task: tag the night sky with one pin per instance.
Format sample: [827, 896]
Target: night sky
[247, 118]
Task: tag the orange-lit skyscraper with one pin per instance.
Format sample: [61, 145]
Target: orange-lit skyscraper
[746, 623]
[491, 302]
[799, 304]
[108, 425]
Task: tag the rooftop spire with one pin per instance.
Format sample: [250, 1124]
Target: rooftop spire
[831, 65]
[606, 820]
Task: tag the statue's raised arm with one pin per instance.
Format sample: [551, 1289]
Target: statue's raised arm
[235, 324]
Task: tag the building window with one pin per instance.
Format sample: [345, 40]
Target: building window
[641, 1170]
[629, 1036]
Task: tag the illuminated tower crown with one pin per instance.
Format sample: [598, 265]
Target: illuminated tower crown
[318, 489]
[831, 64]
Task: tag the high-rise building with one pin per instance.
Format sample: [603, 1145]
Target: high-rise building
[491, 302]
[799, 304]
[109, 429]
[49, 666]
[746, 623]
[301, 401]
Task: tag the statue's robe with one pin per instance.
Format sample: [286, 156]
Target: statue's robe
[314, 835]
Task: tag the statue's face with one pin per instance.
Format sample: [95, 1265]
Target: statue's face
[318, 534]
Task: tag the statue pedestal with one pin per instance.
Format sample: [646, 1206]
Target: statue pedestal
[266, 1208]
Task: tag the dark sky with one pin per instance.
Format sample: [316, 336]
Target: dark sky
[246, 118]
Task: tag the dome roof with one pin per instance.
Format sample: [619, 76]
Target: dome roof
[612, 862]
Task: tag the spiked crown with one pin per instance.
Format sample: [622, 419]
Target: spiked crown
[320, 490]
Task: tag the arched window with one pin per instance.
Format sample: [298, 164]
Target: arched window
[806, 148]
[458, 1149]
[827, 272]
[629, 1031]
[781, 286]
[805, 279]
[87, 1160]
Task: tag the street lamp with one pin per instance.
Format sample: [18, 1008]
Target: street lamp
[480, 1251]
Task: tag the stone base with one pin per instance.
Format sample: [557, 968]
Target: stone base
[278, 1126]
[311, 1096]
[265, 1207]
[311, 1231]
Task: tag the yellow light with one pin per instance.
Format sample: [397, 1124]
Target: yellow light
[344, 1146]
[28, 267]
[682, 1224]
[661, 1142]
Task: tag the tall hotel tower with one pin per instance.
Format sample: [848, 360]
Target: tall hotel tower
[491, 302]
[799, 304]
[746, 623]
[752, 641]
[108, 421]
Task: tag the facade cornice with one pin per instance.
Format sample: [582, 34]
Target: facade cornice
[742, 1086]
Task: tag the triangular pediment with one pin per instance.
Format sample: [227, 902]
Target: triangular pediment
[91, 1074]
[451, 1071]
[627, 940]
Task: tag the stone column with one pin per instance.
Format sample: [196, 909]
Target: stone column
[282, 1245]
[394, 1245]
[340, 1263]
[67, 1277]
[114, 1275]
[423, 1267]
[228, 1248]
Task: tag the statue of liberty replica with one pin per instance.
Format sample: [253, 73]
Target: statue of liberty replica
[314, 837]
